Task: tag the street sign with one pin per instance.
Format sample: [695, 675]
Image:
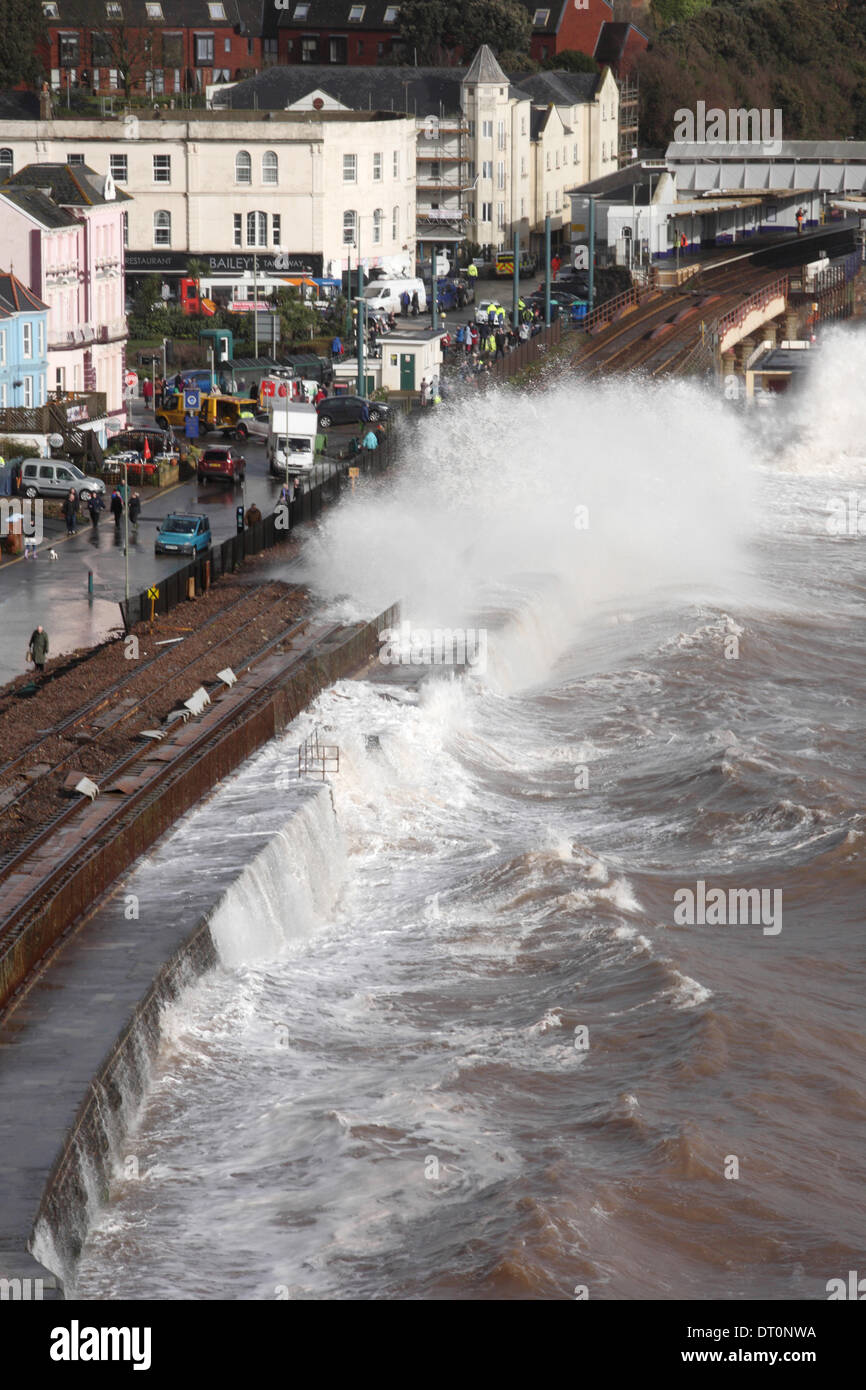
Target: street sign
[131, 379]
[192, 400]
[354, 472]
[191, 427]
[153, 591]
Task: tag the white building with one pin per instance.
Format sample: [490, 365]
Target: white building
[278, 192]
[495, 153]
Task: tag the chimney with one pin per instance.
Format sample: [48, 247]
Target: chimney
[45, 111]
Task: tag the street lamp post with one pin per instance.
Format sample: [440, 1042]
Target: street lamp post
[255, 302]
[126, 533]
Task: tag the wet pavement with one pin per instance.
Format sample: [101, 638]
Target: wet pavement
[55, 592]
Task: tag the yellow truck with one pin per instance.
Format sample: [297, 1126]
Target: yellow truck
[230, 415]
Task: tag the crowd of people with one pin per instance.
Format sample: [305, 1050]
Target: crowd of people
[70, 510]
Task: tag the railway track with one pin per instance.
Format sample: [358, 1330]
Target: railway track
[84, 727]
[640, 338]
[16, 859]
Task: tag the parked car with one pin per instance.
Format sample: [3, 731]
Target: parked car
[482, 310]
[221, 461]
[348, 410]
[54, 478]
[183, 534]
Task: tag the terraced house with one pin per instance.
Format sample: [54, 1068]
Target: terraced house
[62, 231]
[154, 47]
[23, 345]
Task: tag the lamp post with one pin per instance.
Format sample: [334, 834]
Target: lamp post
[591, 288]
[255, 303]
[547, 271]
[126, 533]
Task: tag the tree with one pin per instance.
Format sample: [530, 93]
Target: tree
[435, 29]
[667, 12]
[22, 25]
[127, 48]
[571, 60]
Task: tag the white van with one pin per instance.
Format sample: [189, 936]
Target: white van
[384, 295]
[292, 439]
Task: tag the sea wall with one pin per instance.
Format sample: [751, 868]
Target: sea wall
[77, 1048]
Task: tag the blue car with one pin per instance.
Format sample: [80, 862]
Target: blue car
[183, 535]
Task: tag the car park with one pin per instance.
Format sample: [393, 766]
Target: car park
[348, 410]
[183, 534]
[223, 462]
[54, 477]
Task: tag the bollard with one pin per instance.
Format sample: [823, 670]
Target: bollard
[90, 583]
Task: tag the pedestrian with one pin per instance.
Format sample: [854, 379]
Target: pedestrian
[416, 307]
[158, 392]
[337, 349]
[134, 509]
[365, 412]
[472, 271]
[555, 263]
[178, 383]
[95, 505]
[116, 508]
[424, 388]
[370, 441]
[404, 303]
[70, 511]
[37, 650]
[296, 501]
[147, 392]
[800, 215]
[320, 395]
[253, 515]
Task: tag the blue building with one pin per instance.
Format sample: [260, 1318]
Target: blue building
[23, 345]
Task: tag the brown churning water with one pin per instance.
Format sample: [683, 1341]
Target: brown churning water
[564, 989]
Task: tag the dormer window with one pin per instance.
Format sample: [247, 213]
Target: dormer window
[391, 13]
[356, 13]
[540, 19]
[154, 11]
[114, 9]
[302, 12]
[51, 10]
[217, 11]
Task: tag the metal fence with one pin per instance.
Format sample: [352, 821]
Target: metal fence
[324, 484]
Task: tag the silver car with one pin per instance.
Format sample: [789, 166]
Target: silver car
[54, 478]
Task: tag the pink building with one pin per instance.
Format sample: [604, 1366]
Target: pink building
[62, 233]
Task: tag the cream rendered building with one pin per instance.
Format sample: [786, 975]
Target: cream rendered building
[277, 193]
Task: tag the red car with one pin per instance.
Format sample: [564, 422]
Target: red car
[222, 461]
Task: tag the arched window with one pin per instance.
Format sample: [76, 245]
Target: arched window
[378, 219]
[243, 167]
[7, 164]
[257, 229]
[395, 224]
[349, 222]
[162, 228]
[270, 167]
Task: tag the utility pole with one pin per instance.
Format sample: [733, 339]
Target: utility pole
[515, 282]
[255, 304]
[547, 271]
[434, 284]
[126, 533]
[591, 297]
[362, 384]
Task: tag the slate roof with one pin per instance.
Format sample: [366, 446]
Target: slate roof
[177, 14]
[35, 203]
[69, 185]
[334, 14]
[561, 88]
[15, 298]
[399, 88]
[425, 91]
[484, 68]
[18, 106]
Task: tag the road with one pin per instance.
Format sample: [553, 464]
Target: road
[55, 593]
